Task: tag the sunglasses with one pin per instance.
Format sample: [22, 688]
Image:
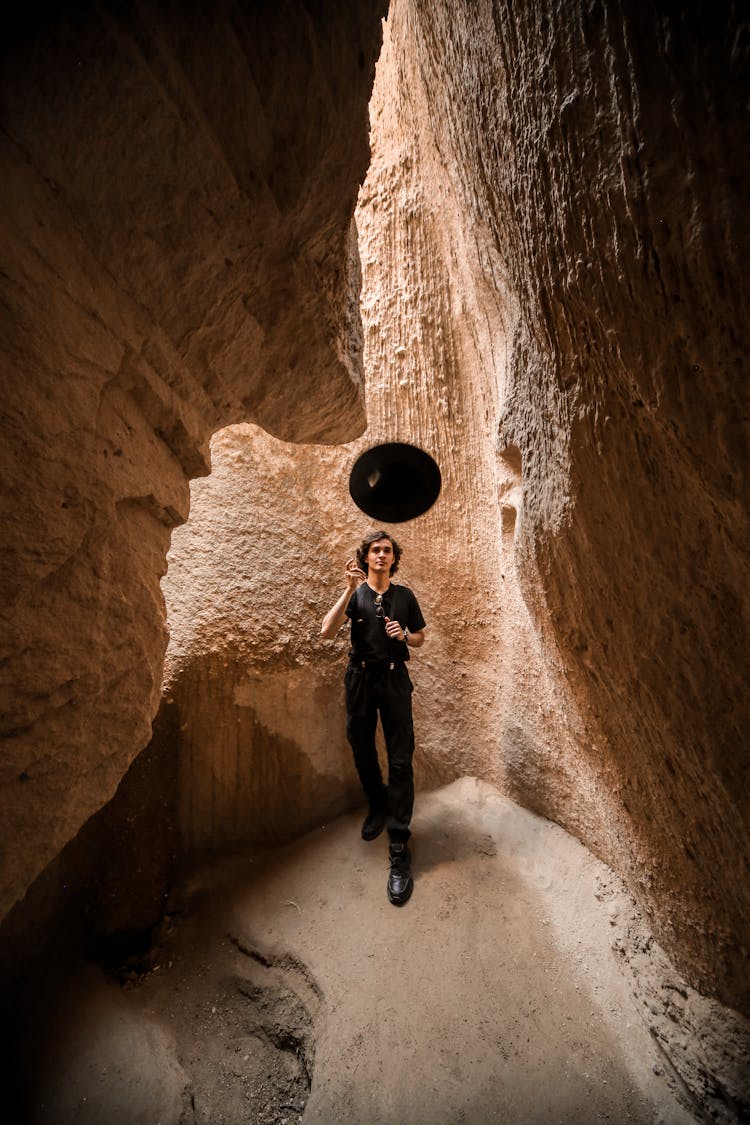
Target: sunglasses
[379, 612]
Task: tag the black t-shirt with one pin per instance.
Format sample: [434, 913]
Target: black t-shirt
[369, 638]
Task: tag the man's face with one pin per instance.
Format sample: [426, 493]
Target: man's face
[380, 556]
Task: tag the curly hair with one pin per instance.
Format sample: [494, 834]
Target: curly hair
[368, 541]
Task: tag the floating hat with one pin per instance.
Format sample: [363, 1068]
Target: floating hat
[394, 482]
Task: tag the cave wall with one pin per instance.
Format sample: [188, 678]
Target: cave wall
[253, 688]
[615, 139]
[260, 750]
[176, 253]
[551, 232]
[551, 236]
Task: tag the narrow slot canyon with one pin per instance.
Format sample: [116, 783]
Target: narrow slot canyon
[241, 244]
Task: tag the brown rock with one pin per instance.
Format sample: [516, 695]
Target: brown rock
[545, 294]
[552, 236]
[177, 252]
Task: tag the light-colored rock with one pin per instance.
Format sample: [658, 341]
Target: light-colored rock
[580, 153]
[547, 312]
[571, 141]
[552, 235]
[492, 996]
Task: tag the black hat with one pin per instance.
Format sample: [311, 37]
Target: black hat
[394, 482]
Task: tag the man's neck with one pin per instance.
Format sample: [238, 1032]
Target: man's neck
[379, 582]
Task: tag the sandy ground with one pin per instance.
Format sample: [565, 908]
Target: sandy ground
[284, 987]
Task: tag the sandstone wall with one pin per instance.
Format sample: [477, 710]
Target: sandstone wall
[255, 691]
[176, 252]
[551, 232]
[603, 150]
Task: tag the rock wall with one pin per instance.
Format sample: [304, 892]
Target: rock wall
[253, 688]
[261, 755]
[176, 253]
[551, 232]
[602, 148]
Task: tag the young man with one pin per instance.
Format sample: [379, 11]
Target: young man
[386, 622]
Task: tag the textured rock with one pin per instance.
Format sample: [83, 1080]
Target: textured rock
[177, 252]
[261, 753]
[614, 144]
[228, 587]
[707, 1044]
[550, 234]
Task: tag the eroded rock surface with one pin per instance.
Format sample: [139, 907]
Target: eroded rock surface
[547, 311]
[177, 252]
[602, 154]
[552, 233]
[493, 995]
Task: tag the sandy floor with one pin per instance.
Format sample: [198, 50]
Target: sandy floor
[285, 987]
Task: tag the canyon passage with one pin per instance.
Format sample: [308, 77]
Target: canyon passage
[239, 246]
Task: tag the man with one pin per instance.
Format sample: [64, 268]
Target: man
[386, 622]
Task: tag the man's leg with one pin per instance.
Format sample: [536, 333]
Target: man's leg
[361, 721]
[398, 728]
[360, 730]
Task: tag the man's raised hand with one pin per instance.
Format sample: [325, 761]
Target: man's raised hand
[354, 576]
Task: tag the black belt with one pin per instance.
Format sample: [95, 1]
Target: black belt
[374, 664]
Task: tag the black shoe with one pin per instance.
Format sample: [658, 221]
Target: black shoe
[400, 882]
[374, 823]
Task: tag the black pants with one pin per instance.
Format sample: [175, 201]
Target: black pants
[386, 689]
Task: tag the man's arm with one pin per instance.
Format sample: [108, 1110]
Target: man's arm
[336, 616]
[397, 633]
[414, 638]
